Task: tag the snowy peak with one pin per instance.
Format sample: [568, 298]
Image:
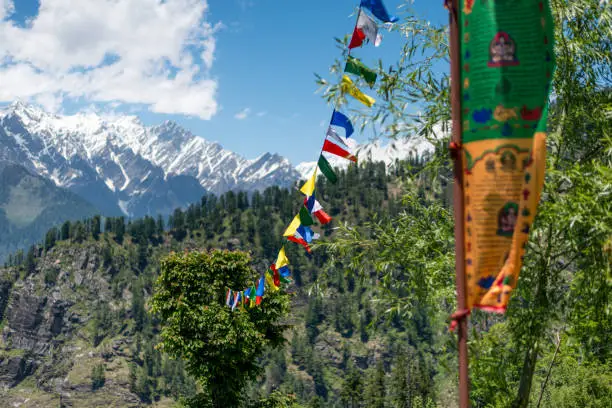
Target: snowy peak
[119, 164]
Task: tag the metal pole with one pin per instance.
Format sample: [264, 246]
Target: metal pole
[455, 60]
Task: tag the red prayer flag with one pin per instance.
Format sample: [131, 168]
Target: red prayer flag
[357, 39]
[338, 151]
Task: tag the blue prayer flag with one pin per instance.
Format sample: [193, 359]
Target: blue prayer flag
[261, 286]
[378, 9]
[306, 233]
[339, 119]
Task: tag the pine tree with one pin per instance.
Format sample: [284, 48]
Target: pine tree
[95, 227]
[375, 389]
[50, 238]
[97, 376]
[352, 388]
[400, 392]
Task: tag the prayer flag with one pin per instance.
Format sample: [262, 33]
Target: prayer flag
[237, 298]
[270, 280]
[316, 209]
[261, 289]
[306, 233]
[281, 259]
[327, 170]
[228, 297]
[365, 28]
[292, 227]
[331, 133]
[339, 119]
[355, 66]
[284, 272]
[276, 275]
[507, 60]
[305, 218]
[379, 10]
[253, 296]
[247, 296]
[333, 148]
[309, 186]
[347, 86]
[299, 240]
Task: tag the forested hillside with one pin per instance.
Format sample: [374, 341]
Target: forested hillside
[370, 308]
[91, 337]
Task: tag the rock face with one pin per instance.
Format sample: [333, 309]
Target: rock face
[44, 321]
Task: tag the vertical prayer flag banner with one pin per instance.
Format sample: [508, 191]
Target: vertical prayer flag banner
[507, 62]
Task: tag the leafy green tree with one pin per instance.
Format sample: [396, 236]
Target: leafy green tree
[220, 347]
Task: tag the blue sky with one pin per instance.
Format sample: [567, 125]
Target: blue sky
[255, 57]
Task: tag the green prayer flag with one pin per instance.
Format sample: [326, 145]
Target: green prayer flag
[327, 169]
[305, 218]
[355, 66]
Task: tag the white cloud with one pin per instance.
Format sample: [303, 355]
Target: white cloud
[243, 114]
[261, 114]
[148, 52]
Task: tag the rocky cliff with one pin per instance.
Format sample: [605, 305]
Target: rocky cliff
[47, 341]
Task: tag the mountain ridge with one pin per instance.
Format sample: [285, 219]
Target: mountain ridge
[123, 167]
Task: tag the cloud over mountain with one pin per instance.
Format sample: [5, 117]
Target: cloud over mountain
[146, 52]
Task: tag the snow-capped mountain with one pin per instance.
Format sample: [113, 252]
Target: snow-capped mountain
[122, 166]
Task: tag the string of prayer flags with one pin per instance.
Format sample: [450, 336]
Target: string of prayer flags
[333, 148]
[379, 10]
[356, 67]
[327, 170]
[316, 209]
[365, 28]
[340, 119]
[299, 230]
[347, 86]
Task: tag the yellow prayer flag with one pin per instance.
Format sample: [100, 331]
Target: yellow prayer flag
[270, 282]
[292, 228]
[309, 187]
[347, 86]
[282, 259]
